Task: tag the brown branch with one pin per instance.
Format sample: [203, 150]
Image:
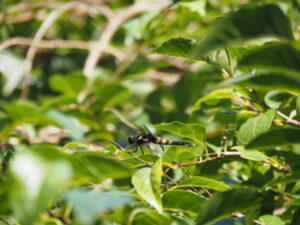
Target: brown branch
[110, 30]
[52, 44]
[288, 119]
[122, 118]
[38, 36]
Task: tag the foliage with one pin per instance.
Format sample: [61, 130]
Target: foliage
[78, 77]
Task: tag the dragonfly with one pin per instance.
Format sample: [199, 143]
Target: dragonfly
[145, 138]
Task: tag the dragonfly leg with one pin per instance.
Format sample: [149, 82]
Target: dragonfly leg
[141, 149]
[134, 150]
[162, 147]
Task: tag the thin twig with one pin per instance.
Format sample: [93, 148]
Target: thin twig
[122, 118]
[52, 44]
[288, 119]
[110, 30]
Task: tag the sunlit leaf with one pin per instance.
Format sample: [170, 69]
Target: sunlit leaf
[204, 182]
[89, 204]
[195, 132]
[223, 204]
[66, 122]
[13, 68]
[255, 126]
[271, 220]
[146, 182]
[37, 181]
[251, 154]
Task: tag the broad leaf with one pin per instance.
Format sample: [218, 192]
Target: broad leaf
[243, 24]
[36, 182]
[269, 81]
[251, 155]
[204, 182]
[275, 138]
[273, 56]
[89, 204]
[181, 200]
[180, 47]
[195, 132]
[214, 97]
[255, 126]
[146, 182]
[223, 204]
[271, 220]
[66, 122]
[101, 165]
[298, 105]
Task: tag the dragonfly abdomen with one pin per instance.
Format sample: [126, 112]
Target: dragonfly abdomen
[161, 141]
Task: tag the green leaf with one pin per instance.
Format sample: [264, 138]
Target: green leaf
[243, 24]
[149, 217]
[274, 99]
[271, 220]
[251, 155]
[66, 122]
[179, 47]
[101, 165]
[146, 182]
[89, 204]
[195, 132]
[214, 97]
[181, 200]
[269, 82]
[275, 138]
[71, 84]
[223, 204]
[255, 126]
[36, 182]
[198, 181]
[195, 6]
[273, 56]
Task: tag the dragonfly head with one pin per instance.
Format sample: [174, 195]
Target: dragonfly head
[131, 139]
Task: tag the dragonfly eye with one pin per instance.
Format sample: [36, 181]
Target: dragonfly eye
[131, 139]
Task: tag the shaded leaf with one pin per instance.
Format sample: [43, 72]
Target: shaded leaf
[223, 204]
[243, 24]
[255, 126]
[180, 47]
[275, 56]
[181, 200]
[275, 138]
[269, 81]
[195, 132]
[146, 182]
[198, 181]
